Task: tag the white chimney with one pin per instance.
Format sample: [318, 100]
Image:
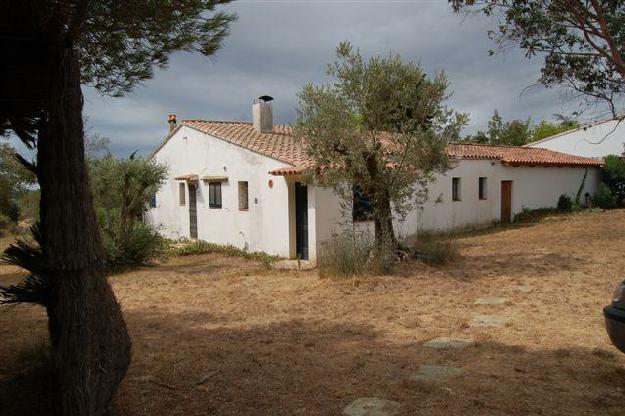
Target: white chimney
[171, 120]
[262, 114]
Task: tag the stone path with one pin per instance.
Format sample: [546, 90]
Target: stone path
[491, 301]
[436, 373]
[445, 343]
[372, 406]
[293, 265]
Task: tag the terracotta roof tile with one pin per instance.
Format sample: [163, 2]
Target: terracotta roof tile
[281, 145]
[518, 156]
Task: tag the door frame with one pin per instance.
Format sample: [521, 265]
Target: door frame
[506, 201]
[192, 188]
[302, 232]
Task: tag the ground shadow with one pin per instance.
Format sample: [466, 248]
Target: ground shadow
[201, 365]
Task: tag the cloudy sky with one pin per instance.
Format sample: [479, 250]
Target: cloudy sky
[277, 46]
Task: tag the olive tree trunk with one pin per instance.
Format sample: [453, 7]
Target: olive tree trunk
[383, 222]
[90, 343]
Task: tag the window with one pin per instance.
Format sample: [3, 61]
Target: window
[483, 191]
[214, 194]
[455, 189]
[181, 193]
[153, 201]
[363, 208]
[243, 196]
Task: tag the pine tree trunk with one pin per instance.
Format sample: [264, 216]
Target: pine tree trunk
[90, 343]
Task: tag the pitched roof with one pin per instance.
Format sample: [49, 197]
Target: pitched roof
[280, 144]
[518, 156]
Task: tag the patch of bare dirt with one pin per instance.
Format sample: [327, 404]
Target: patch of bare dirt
[224, 336]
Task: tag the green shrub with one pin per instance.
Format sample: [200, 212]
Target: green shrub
[345, 256]
[203, 247]
[604, 198]
[531, 215]
[435, 250]
[614, 177]
[565, 203]
[138, 245]
[122, 189]
[29, 205]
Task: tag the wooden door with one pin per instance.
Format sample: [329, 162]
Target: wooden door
[192, 210]
[301, 220]
[506, 201]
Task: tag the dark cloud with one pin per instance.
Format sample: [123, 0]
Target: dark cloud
[276, 47]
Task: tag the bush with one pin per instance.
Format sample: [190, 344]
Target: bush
[345, 256]
[204, 247]
[532, 215]
[614, 177]
[604, 198]
[122, 189]
[139, 244]
[565, 203]
[435, 250]
[29, 205]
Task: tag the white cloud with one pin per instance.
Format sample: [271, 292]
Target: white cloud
[276, 47]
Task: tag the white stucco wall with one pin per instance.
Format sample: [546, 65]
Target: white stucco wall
[269, 224]
[264, 227]
[596, 141]
[532, 187]
[326, 218]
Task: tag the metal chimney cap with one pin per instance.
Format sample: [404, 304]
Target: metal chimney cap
[265, 98]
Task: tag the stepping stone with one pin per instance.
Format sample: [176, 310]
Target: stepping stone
[445, 343]
[525, 288]
[436, 373]
[491, 301]
[487, 321]
[372, 406]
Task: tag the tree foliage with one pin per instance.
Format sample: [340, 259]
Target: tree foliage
[381, 125]
[15, 180]
[124, 41]
[613, 173]
[546, 129]
[518, 132]
[122, 189]
[582, 42]
[499, 132]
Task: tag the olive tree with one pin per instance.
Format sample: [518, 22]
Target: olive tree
[380, 125]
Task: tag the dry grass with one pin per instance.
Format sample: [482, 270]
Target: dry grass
[289, 343]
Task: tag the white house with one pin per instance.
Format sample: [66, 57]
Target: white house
[238, 183]
[596, 140]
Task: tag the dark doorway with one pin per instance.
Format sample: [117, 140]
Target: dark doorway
[301, 220]
[192, 210]
[506, 201]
